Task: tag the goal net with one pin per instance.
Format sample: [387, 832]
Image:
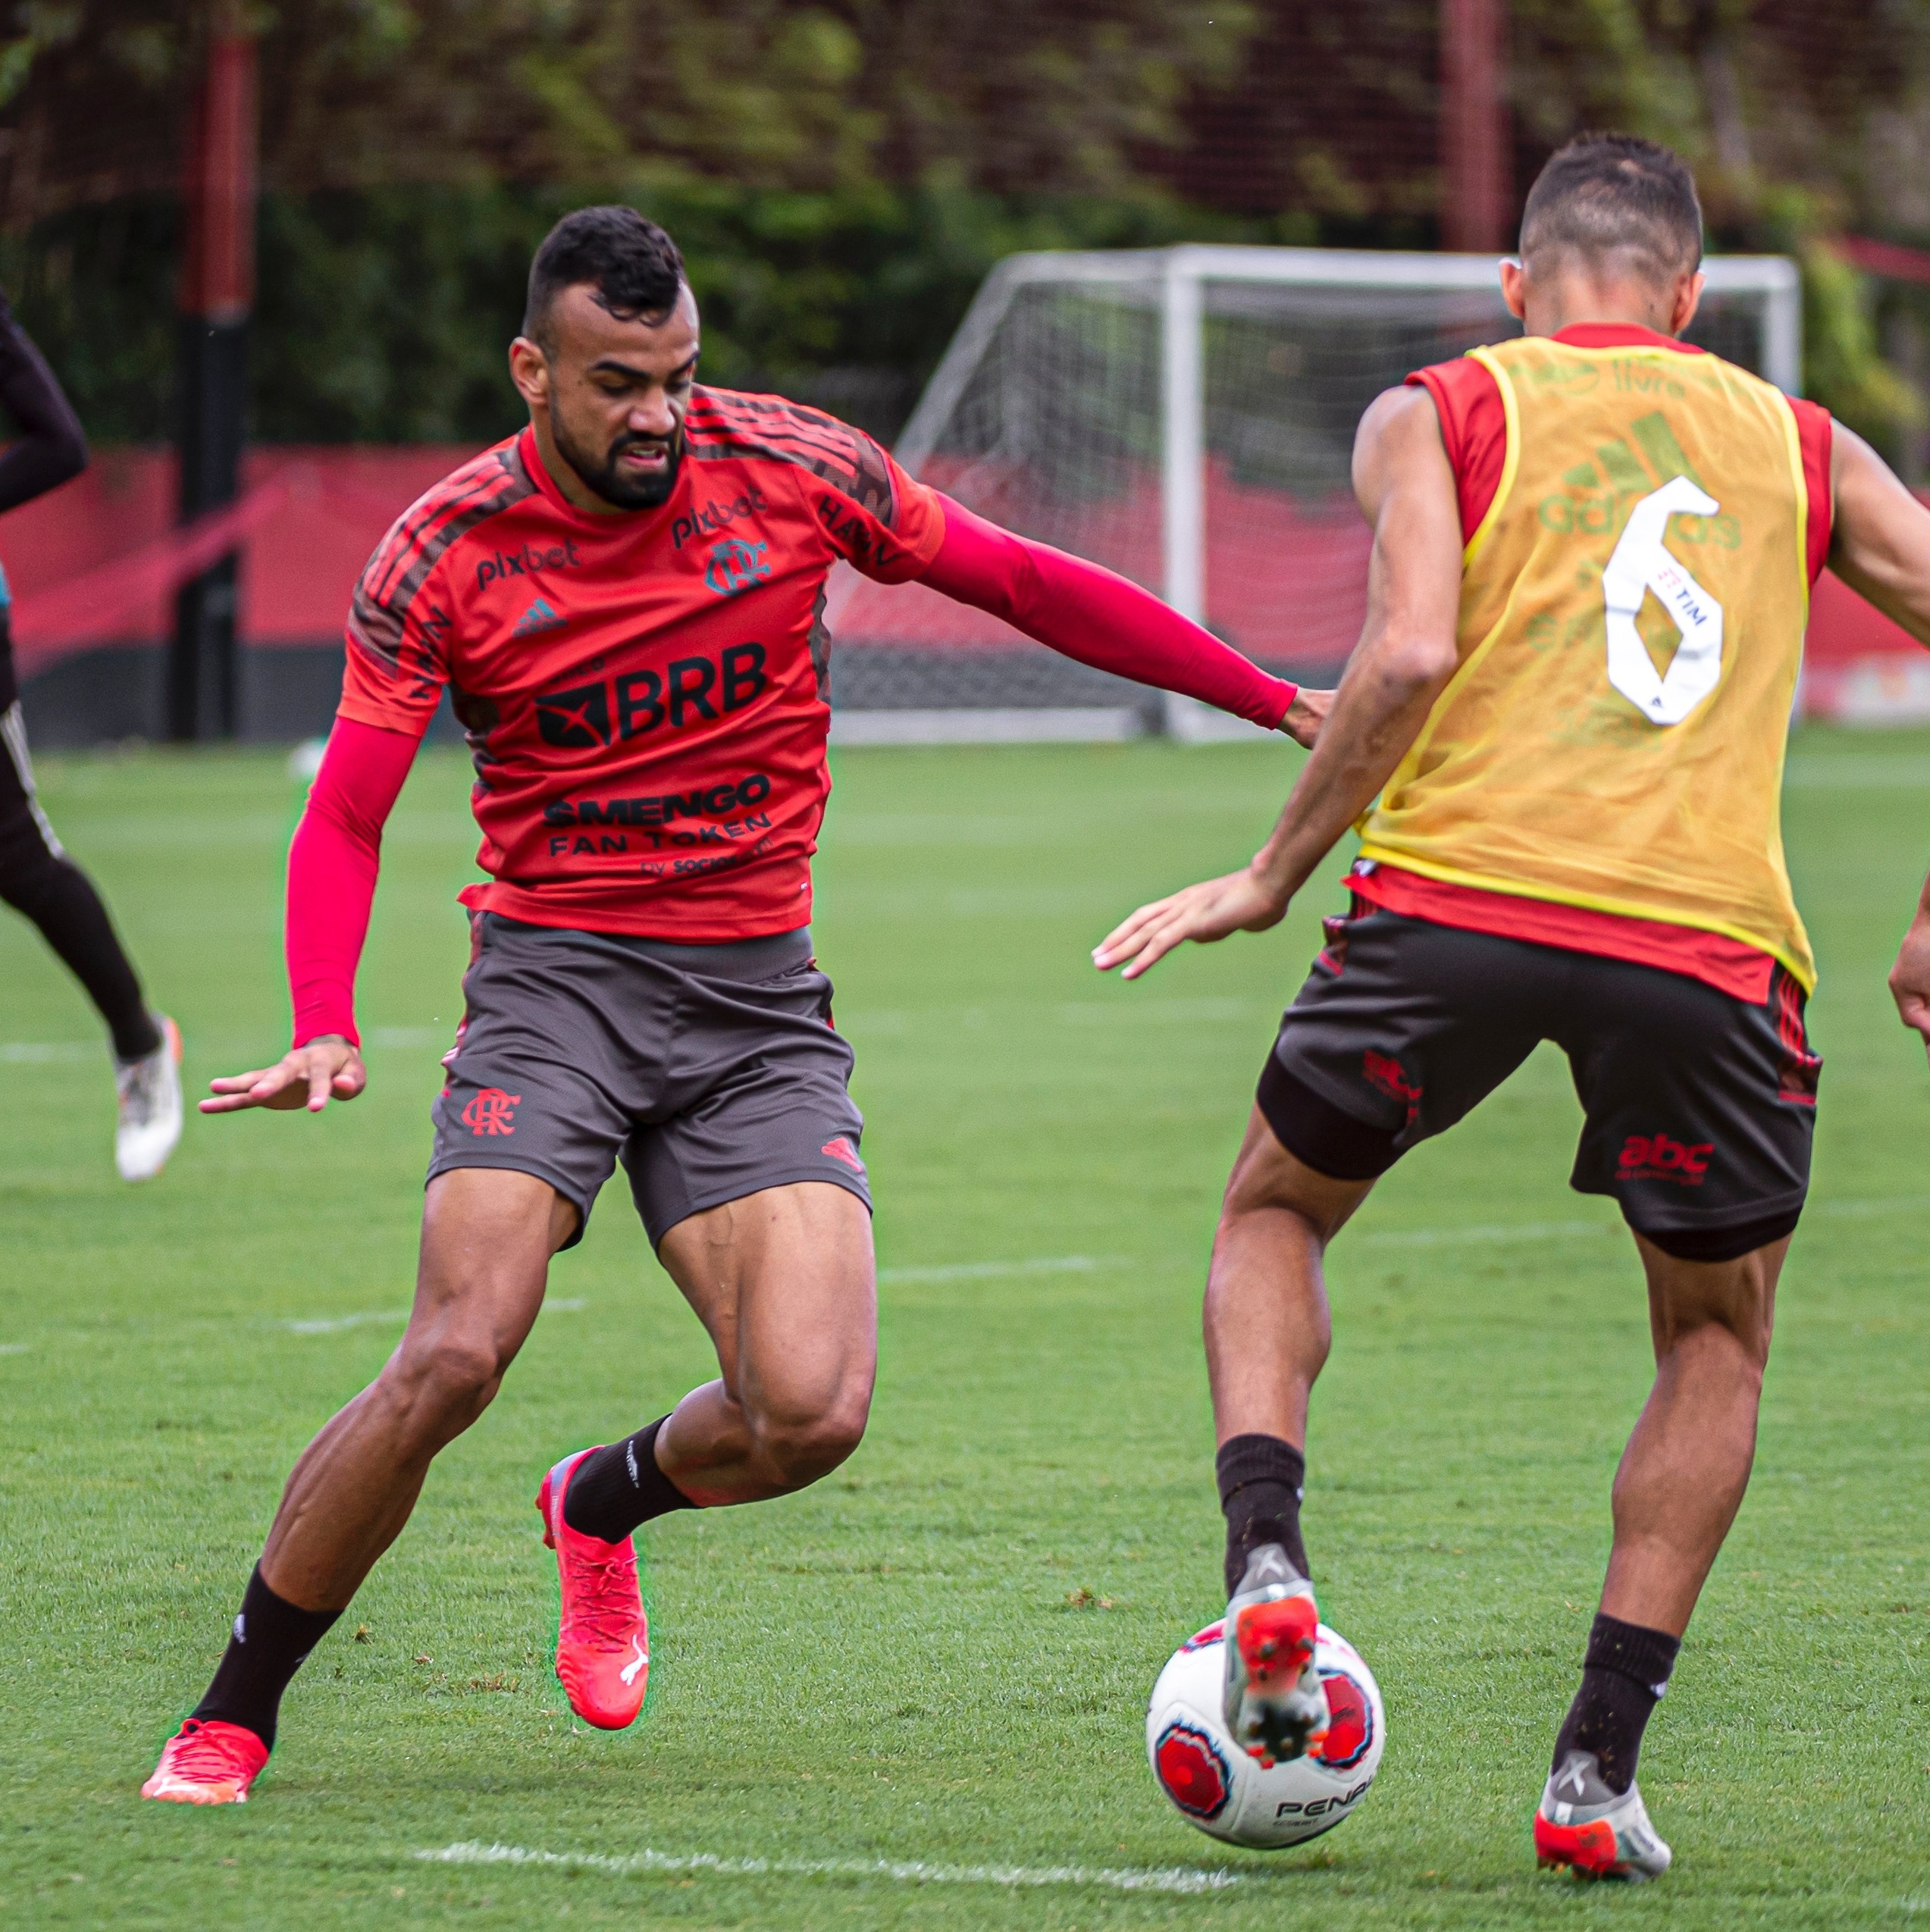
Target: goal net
[1185, 416]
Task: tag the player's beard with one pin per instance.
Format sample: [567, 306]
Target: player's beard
[608, 478]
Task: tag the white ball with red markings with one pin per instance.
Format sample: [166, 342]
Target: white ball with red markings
[1213, 1783]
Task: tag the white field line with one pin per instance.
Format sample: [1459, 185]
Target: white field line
[1176, 1878]
[1171, 1012]
[14, 1348]
[1059, 1264]
[44, 1053]
[335, 1324]
[1908, 1204]
[1515, 1231]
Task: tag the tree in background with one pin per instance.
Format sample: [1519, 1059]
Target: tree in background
[843, 173]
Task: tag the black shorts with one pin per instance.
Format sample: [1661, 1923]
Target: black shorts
[1700, 1107]
[712, 1072]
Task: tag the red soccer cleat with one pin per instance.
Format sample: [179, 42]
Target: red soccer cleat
[1594, 1832]
[602, 1646]
[208, 1762]
[1275, 1702]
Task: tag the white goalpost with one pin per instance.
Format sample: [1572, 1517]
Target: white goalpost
[1185, 416]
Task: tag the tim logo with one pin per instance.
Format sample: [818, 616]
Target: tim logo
[1657, 1157]
[1192, 1769]
[1350, 1722]
[735, 566]
[841, 1151]
[491, 1111]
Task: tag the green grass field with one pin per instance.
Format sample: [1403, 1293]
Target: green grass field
[892, 1667]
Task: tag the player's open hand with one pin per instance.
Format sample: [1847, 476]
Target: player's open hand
[311, 1077]
[1306, 715]
[1910, 978]
[1238, 903]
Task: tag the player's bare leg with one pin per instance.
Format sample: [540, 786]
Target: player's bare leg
[783, 1280]
[487, 1236]
[1268, 1334]
[784, 1283]
[1686, 1465]
[1681, 1482]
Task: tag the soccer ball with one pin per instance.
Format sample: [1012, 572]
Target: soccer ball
[1216, 1785]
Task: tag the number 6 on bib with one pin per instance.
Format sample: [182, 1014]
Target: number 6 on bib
[1640, 564]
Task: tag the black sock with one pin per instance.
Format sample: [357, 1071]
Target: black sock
[1261, 1480]
[612, 1491]
[61, 899]
[1625, 1672]
[271, 1642]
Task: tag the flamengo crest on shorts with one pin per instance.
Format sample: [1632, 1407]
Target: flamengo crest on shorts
[491, 1111]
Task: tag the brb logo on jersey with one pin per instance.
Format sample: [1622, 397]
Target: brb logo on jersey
[734, 566]
[690, 690]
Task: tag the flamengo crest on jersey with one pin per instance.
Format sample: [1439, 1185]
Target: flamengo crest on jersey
[1631, 621]
[645, 694]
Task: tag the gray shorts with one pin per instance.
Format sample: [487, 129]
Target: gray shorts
[712, 1072]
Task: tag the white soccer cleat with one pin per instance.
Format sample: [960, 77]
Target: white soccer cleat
[1584, 1825]
[1275, 1703]
[150, 1091]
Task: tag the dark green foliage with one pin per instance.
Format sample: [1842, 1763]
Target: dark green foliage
[384, 314]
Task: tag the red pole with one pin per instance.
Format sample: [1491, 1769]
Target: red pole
[1477, 190]
[217, 276]
[217, 294]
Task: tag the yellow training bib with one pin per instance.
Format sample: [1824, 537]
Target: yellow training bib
[1632, 612]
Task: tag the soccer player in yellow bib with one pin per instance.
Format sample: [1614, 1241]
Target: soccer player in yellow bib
[1562, 736]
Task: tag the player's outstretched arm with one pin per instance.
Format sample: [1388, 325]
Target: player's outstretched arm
[1406, 655]
[333, 861]
[1880, 545]
[1096, 617]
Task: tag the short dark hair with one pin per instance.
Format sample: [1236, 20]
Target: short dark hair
[634, 266]
[1604, 192]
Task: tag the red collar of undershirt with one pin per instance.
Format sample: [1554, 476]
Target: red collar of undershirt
[1619, 335]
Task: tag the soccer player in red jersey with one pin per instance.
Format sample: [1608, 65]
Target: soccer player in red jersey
[1563, 838]
[625, 602]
